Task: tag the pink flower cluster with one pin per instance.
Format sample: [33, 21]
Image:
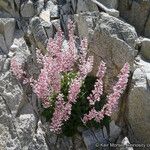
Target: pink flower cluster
[16, 68]
[57, 61]
[63, 109]
[112, 99]
[98, 87]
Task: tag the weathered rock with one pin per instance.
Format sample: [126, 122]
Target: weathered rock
[38, 142]
[8, 6]
[3, 48]
[25, 126]
[86, 23]
[110, 39]
[45, 15]
[103, 8]
[4, 14]
[27, 9]
[98, 139]
[54, 12]
[139, 103]
[56, 24]
[11, 92]
[85, 6]
[2, 61]
[40, 5]
[136, 12]
[7, 142]
[48, 27]
[39, 33]
[7, 28]
[110, 4]
[145, 48]
[147, 27]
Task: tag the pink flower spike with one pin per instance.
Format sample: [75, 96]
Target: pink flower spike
[16, 68]
[118, 90]
[98, 87]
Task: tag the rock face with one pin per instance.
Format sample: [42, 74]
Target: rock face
[110, 40]
[98, 139]
[145, 48]
[110, 4]
[137, 13]
[27, 24]
[27, 9]
[7, 28]
[139, 102]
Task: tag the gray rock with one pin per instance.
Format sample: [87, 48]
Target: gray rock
[56, 24]
[74, 5]
[39, 33]
[110, 40]
[27, 9]
[2, 61]
[85, 6]
[109, 4]
[147, 27]
[136, 13]
[48, 27]
[7, 28]
[45, 15]
[40, 5]
[38, 142]
[8, 134]
[7, 142]
[103, 8]
[53, 10]
[4, 14]
[98, 139]
[145, 48]
[17, 2]
[139, 103]
[25, 126]
[12, 93]
[3, 48]
[8, 6]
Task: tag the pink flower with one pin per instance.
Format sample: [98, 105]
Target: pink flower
[41, 88]
[74, 90]
[98, 87]
[117, 90]
[16, 68]
[113, 98]
[62, 108]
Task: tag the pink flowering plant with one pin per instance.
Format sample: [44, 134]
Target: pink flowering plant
[70, 97]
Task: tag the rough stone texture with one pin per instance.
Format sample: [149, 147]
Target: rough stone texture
[54, 14]
[136, 12]
[139, 103]
[98, 138]
[40, 6]
[7, 28]
[39, 33]
[145, 48]
[110, 40]
[45, 15]
[27, 9]
[110, 4]
[147, 27]
[86, 5]
[3, 48]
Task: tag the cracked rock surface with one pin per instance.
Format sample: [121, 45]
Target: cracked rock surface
[27, 24]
